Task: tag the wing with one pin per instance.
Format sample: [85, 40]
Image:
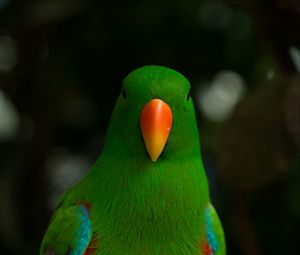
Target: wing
[70, 232]
[215, 241]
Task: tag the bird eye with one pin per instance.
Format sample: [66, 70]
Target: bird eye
[123, 93]
[188, 96]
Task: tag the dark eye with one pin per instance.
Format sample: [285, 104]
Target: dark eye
[123, 93]
[188, 96]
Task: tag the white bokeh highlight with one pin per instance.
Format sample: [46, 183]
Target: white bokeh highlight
[218, 99]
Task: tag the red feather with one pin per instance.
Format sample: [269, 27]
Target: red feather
[206, 249]
[92, 247]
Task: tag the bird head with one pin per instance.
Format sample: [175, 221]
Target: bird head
[154, 115]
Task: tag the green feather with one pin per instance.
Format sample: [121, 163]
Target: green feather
[217, 231]
[69, 230]
[140, 207]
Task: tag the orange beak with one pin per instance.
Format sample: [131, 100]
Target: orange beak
[156, 122]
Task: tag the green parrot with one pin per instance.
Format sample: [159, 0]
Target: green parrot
[147, 194]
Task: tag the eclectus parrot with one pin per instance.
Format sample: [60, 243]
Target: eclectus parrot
[147, 194]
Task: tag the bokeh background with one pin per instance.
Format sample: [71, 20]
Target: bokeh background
[61, 67]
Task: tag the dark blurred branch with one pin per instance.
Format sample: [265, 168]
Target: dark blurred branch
[277, 23]
[248, 239]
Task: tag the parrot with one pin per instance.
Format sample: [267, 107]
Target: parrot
[147, 193]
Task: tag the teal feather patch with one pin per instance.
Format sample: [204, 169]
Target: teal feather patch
[210, 235]
[84, 233]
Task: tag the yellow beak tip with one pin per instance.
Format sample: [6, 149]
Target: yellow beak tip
[154, 158]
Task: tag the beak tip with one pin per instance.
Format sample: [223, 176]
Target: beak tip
[153, 159]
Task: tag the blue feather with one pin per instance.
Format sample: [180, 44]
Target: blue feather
[84, 233]
[210, 235]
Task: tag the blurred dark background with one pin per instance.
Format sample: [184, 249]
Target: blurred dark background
[61, 67]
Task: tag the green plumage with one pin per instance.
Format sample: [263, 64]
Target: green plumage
[140, 207]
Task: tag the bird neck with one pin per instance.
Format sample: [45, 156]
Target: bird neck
[179, 184]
